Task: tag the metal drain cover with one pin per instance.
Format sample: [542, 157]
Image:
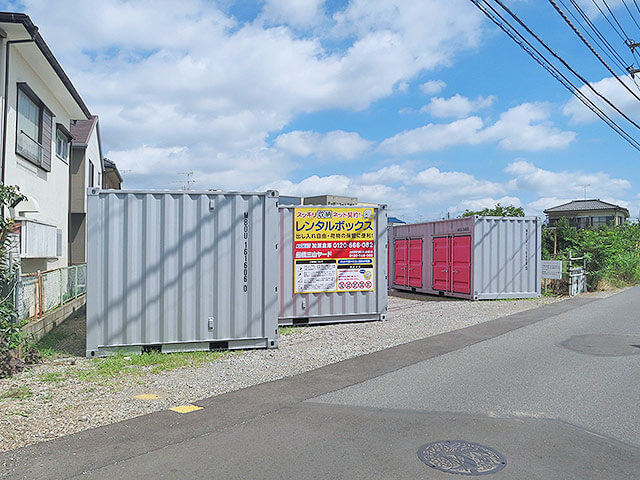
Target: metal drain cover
[460, 457]
[604, 345]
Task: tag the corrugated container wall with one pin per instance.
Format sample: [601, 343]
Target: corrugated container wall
[332, 307]
[181, 270]
[473, 257]
[508, 257]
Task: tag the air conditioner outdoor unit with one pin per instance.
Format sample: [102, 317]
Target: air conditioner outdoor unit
[39, 240]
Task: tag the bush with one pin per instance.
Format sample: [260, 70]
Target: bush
[15, 351]
[612, 253]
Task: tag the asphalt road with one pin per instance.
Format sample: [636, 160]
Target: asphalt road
[511, 384]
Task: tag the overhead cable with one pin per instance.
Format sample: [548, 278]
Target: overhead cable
[534, 53]
[568, 67]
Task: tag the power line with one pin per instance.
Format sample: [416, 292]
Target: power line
[534, 53]
[566, 19]
[567, 66]
[597, 32]
[598, 38]
[630, 14]
[609, 21]
[615, 19]
[637, 6]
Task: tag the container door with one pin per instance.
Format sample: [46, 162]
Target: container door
[401, 263]
[461, 264]
[440, 263]
[415, 262]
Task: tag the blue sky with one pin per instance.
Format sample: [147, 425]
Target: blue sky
[425, 106]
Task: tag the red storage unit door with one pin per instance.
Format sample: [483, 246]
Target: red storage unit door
[400, 264]
[461, 264]
[440, 263]
[415, 262]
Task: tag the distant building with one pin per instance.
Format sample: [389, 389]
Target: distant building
[395, 221]
[330, 200]
[588, 213]
[85, 171]
[111, 178]
[290, 200]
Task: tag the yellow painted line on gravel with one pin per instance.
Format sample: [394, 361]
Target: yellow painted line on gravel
[186, 408]
[147, 396]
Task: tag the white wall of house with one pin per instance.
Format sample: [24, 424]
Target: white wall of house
[93, 155]
[50, 190]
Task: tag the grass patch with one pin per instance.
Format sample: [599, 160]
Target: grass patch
[118, 366]
[18, 413]
[54, 377]
[20, 393]
[49, 345]
[288, 330]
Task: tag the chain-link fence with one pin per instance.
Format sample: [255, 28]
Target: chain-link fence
[42, 292]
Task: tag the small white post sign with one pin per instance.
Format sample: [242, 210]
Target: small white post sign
[552, 269]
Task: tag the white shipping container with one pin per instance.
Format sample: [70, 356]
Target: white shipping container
[181, 270]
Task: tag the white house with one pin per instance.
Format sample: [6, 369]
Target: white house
[39, 107]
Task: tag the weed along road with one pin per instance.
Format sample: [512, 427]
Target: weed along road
[547, 393]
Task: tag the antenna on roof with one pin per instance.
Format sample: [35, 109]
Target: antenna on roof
[584, 186]
[188, 181]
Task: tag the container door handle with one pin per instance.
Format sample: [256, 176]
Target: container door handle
[455, 271]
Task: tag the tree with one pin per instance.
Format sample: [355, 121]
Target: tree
[497, 211]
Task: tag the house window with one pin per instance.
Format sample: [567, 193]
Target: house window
[62, 145]
[92, 172]
[29, 128]
[33, 132]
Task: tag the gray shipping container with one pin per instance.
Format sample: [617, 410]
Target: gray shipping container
[331, 307]
[181, 271]
[478, 258]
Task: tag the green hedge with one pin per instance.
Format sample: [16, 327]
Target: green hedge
[612, 253]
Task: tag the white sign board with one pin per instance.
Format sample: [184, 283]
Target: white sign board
[552, 269]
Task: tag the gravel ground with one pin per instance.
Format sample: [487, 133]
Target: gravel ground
[57, 408]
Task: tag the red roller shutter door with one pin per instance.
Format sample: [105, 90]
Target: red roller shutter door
[415, 262]
[400, 262]
[441, 263]
[461, 265]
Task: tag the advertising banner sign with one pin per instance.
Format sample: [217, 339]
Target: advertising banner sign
[334, 249]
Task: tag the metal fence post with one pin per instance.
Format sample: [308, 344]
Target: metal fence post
[61, 290]
[75, 286]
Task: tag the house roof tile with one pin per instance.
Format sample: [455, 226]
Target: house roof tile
[593, 204]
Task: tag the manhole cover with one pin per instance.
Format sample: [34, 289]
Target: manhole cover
[464, 458]
[604, 345]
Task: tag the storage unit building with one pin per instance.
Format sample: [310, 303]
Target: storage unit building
[181, 270]
[333, 264]
[473, 257]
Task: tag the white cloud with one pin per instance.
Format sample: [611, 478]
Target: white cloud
[433, 137]
[389, 174]
[343, 185]
[525, 127]
[189, 75]
[457, 106]
[437, 185]
[336, 144]
[433, 87]
[482, 203]
[612, 90]
[563, 184]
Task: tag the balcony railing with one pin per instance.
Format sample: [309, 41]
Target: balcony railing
[29, 148]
